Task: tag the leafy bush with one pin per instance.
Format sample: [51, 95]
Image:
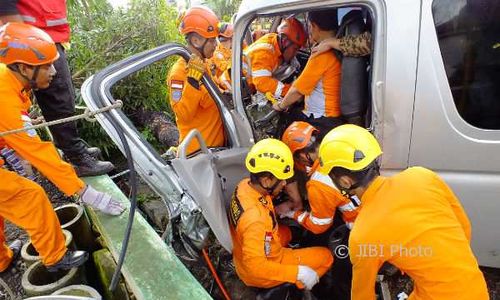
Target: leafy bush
[102, 35]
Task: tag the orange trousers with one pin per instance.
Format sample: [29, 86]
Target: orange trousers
[319, 259]
[25, 204]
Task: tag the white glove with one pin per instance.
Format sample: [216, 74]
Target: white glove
[307, 276]
[101, 201]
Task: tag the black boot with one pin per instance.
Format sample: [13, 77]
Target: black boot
[15, 246]
[94, 152]
[71, 259]
[87, 165]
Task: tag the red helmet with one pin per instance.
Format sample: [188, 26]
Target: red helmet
[24, 43]
[298, 135]
[200, 19]
[294, 31]
[226, 30]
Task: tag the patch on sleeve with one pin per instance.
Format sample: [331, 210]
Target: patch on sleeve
[176, 87]
[235, 209]
[27, 123]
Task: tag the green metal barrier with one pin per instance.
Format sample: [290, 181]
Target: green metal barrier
[151, 269]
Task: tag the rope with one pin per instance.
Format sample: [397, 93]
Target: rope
[7, 289]
[87, 115]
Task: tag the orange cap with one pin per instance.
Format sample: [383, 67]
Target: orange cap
[298, 135]
[294, 30]
[202, 20]
[24, 43]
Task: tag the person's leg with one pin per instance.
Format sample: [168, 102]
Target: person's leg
[25, 204]
[57, 102]
[319, 259]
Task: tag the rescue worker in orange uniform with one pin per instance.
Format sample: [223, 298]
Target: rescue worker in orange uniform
[193, 106]
[259, 258]
[412, 220]
[266, 54]
[221, 60]
[320, 80]
[324, 197]
[26, 63]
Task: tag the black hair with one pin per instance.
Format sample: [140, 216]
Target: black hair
[326, 20]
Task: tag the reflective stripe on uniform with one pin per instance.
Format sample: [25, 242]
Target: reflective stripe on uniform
[325, 179]
[349, 224]
[30, 19]
[320, 221]
[57, 22]
[347, 207]
[279, 89]
[302, 216]
[261, 73]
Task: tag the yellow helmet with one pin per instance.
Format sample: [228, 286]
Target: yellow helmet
[348, 146]
[270, 155]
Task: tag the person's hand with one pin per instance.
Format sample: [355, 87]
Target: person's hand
[101, 201]
[284, 210]
[307, 276]
[196, 68]
[277, 106]
[325, 45]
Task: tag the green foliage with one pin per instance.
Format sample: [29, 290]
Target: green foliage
[223, 8]
[102, 35]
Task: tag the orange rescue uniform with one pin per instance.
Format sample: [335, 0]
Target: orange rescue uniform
[15, 102]
[25, 204]
[22, 201]
[320, 83]
[194, 108]
[263, 57]
[414, 221]
[324, 199]
[220, 63]
[259, 258]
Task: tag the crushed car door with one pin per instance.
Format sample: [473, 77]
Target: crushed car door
[188, 184]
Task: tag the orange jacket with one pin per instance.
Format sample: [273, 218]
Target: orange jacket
[257, 250]
[262, 58]
[414, 221]
[219, 64]
[320, 83]
[221, 59]
[42, 155]
[194, 108]
[324, 199]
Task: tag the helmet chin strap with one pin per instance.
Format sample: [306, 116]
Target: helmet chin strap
[32, 80]
[271, 189]
[200, 49]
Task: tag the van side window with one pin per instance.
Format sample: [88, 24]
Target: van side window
[468, 34]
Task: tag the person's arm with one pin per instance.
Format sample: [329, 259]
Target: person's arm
[349, 45]
[364, 270]
[457, 208]
[256, 263]
[9, 12]
[320, 218]
[262, 75]
[306, 82]
[185, 97]
[291, 97]
[42, 155]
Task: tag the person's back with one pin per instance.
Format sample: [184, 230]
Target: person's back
[263, 57]
[414, 221]
[194, 108]
[320, 83]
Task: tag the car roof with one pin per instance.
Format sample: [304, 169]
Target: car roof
[255, 5]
